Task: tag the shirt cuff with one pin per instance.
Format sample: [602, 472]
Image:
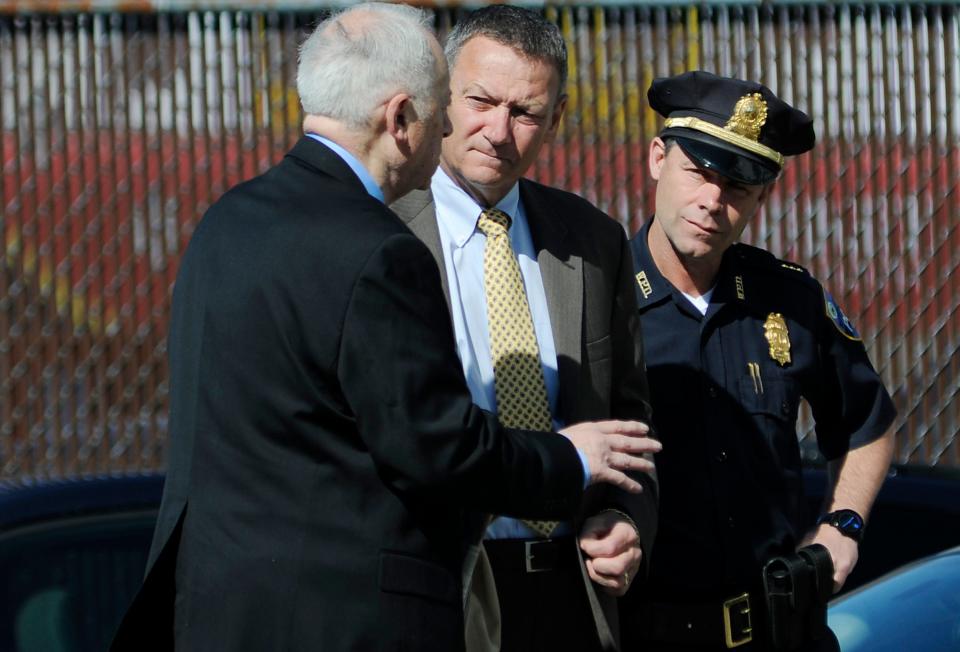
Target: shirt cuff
[586, 468]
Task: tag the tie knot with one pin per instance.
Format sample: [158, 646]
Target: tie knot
[493, 222]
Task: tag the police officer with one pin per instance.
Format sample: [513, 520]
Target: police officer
[734, 338]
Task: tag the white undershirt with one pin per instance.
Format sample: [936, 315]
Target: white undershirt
[702, 302]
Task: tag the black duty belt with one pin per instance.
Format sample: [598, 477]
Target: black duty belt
[729, 622]
[790, 611]
[531, 556]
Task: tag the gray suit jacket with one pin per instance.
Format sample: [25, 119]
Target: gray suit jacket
[587, 276]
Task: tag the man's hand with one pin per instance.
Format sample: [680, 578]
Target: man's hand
[612, 447]
[855, 480]
[612, 546]
[844, 551]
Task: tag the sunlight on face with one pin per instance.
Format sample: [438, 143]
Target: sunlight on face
[504, 107]
[700, 212]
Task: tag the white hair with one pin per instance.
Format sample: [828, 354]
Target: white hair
[346, 72]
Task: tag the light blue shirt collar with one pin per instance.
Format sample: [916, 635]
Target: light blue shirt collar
[461, 211]
[365, 178]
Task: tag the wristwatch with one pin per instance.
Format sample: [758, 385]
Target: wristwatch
[847, 521]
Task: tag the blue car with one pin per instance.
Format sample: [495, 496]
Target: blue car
[916, 607]
[72, 555]
[917, 513]
[73, 552]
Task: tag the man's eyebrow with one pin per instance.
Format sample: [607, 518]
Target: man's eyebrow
[475, 87]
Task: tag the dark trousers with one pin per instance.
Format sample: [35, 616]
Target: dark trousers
[827, 644]
[656, 630]
[545, 611]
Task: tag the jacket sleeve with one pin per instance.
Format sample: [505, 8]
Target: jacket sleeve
[401, 377]
[630, 399]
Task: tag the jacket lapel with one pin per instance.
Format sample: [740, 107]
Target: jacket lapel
[562, 273]
[560, 269]
[417, 211]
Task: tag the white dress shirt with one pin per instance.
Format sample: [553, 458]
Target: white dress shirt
[463, 244]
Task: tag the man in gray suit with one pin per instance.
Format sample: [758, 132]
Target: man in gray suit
[556, 586]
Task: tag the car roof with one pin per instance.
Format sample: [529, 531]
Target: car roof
[30, 501]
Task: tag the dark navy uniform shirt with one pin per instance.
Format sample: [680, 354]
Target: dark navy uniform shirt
[726, 388]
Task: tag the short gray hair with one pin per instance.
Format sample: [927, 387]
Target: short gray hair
[523, 30]
[345, 74]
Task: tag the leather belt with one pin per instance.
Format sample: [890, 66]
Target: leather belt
[731, 622]
[532, 555]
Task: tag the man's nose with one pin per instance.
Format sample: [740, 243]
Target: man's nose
[498, 126]
[710, 194]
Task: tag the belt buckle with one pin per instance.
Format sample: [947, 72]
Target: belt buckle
[529, 555]
[737, 635]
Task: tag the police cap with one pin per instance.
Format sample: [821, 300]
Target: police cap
[738, 128]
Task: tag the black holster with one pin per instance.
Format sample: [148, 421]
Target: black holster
[797, 588]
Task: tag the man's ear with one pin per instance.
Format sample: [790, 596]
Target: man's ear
[657, 154]
[400, 115]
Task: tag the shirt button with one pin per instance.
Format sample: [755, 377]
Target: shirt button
[712, 392]
[730, 523]
[722, 456]
[785, 407]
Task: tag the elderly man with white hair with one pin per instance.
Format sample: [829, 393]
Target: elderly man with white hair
[323, 443]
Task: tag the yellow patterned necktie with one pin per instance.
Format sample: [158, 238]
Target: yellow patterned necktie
[517, 376]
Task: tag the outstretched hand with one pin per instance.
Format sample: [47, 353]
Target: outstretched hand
[612, 448]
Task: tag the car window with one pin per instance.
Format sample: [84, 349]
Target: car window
[917, 608]
[67, 583]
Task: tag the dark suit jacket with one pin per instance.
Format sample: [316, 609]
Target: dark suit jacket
[323, 444]
[587, 273]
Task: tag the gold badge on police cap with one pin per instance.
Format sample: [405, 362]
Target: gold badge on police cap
[778, 337]
[749, 115]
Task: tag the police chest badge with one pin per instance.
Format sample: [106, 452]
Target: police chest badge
[778, 337]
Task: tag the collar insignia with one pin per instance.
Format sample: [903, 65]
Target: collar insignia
[740, 294]
[778, 337]
[644, 284]
[749, 115]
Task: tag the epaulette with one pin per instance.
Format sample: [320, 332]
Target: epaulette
[757, 257]
[794, 267]
[787, 271]
[769, 265]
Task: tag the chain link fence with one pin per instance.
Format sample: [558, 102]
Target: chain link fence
[118, 129]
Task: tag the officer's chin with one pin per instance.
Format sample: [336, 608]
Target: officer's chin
[701, 249]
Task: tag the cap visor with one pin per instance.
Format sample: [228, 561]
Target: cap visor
[727, 159]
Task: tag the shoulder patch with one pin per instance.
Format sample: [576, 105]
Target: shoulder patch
[840, 320]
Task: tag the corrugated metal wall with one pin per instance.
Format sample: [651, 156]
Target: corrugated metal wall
[119, 128]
